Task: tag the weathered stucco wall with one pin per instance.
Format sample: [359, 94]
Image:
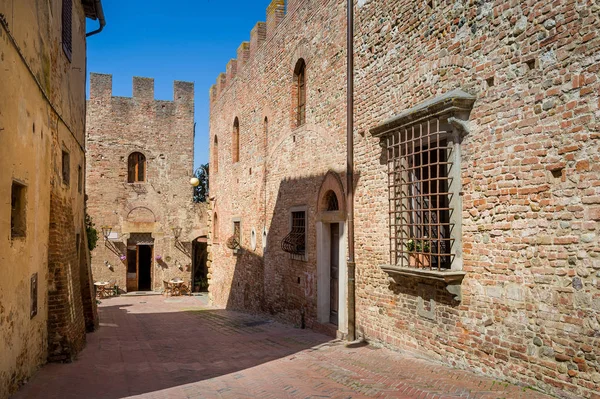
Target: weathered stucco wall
[164, 132]
[530, 299]
[41, 115]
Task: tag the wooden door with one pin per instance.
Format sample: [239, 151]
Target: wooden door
[132, 268]
[334, 273]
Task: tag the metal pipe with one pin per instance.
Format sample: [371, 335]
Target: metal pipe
[100, 16]
[350, 169]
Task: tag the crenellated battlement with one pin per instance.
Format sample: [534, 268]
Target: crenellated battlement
[262, 32]
[143, 89]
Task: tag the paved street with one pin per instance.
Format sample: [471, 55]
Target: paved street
[156, 347]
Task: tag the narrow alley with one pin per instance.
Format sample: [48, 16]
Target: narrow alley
[179, 347]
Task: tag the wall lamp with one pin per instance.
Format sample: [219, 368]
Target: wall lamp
[177, 233]
[106, 232]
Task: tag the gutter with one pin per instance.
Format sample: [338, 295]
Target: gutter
[99, 16]
[351, 264]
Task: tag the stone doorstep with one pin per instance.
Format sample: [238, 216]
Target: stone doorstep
[142, 293]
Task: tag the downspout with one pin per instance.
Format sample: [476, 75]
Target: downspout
[100, 17]
[350, 169]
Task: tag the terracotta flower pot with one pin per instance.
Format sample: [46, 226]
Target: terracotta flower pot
[419, 260]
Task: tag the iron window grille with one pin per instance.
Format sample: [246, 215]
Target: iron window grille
[295, 242]
[419, 158]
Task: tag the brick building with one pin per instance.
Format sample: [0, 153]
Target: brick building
[477, 197]
[140, 160]
[46, 301]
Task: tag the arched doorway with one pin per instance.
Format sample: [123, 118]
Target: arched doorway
[199, 267]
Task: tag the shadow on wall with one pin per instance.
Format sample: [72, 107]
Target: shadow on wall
[277, 283]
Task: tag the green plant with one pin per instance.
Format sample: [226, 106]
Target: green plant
[92, 233]
[419, 245]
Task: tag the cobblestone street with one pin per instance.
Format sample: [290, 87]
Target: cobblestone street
[153, 347]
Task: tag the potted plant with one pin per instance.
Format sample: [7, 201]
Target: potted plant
[419, 253]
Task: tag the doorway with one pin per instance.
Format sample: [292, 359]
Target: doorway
[199, 268]
[139, 262]
[334, 273]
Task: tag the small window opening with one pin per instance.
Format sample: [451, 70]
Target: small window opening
[17, 214]
[215, 228]
[300, 92]
[331, 201]
[79, 179]
[66, 168]
[235, 141]
[530, 64]
[295, 242]
[77, 243]
[216, 155]
[490, 81]
[136, 168]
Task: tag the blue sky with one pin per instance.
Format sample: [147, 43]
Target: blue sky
[190, 40]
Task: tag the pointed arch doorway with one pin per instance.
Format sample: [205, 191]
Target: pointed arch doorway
[332, 272]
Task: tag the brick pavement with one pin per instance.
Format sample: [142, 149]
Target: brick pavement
[153, 347]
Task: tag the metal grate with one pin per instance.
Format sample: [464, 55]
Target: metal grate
[418, 160]
[295, 242]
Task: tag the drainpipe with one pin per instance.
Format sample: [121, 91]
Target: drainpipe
[100, 16]
[350, 169]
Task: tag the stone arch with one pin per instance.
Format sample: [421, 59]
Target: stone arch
[331, 185]
[141, 214]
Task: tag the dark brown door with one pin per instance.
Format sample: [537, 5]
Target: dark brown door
[334, 279]
[132, 281]
[144, 268]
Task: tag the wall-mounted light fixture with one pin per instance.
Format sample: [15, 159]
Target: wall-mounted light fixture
[106, 232]
[177, 233]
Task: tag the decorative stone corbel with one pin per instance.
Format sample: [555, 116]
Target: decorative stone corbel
[463, 126]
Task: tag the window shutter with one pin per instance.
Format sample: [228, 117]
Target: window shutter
[67, 27]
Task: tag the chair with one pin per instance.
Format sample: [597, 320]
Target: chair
[109, 290]
[167, 290]
[187, 288]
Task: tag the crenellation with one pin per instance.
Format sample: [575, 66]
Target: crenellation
[183, 93]
[275, 14]
[100, 85]
[243, 53]
[231, 69]
[258, 35]
[143, 88]
[221, 82]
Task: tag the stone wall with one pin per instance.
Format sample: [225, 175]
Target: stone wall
[529, 310]
[164, 132]
[41, 115]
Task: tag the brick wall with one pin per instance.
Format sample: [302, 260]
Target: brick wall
[530, 298]
[164, 132]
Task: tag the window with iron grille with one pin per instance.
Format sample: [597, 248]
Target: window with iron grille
[136, 168]
[419, 158]
[422, 148]
[295, 242]
[237, 232]
[67, 28]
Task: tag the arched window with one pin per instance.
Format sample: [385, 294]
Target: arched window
[215, 228]
[300, 92]
[216, 155]
[331, 201]
[136, 167]
[235, 141]
[266, 132]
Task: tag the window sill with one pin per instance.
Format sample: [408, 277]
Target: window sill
[452, 278]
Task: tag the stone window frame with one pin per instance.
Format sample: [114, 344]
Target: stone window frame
[452, 109]
[302, 208]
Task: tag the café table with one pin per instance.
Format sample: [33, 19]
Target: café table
[101, 289]
[176, 286]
